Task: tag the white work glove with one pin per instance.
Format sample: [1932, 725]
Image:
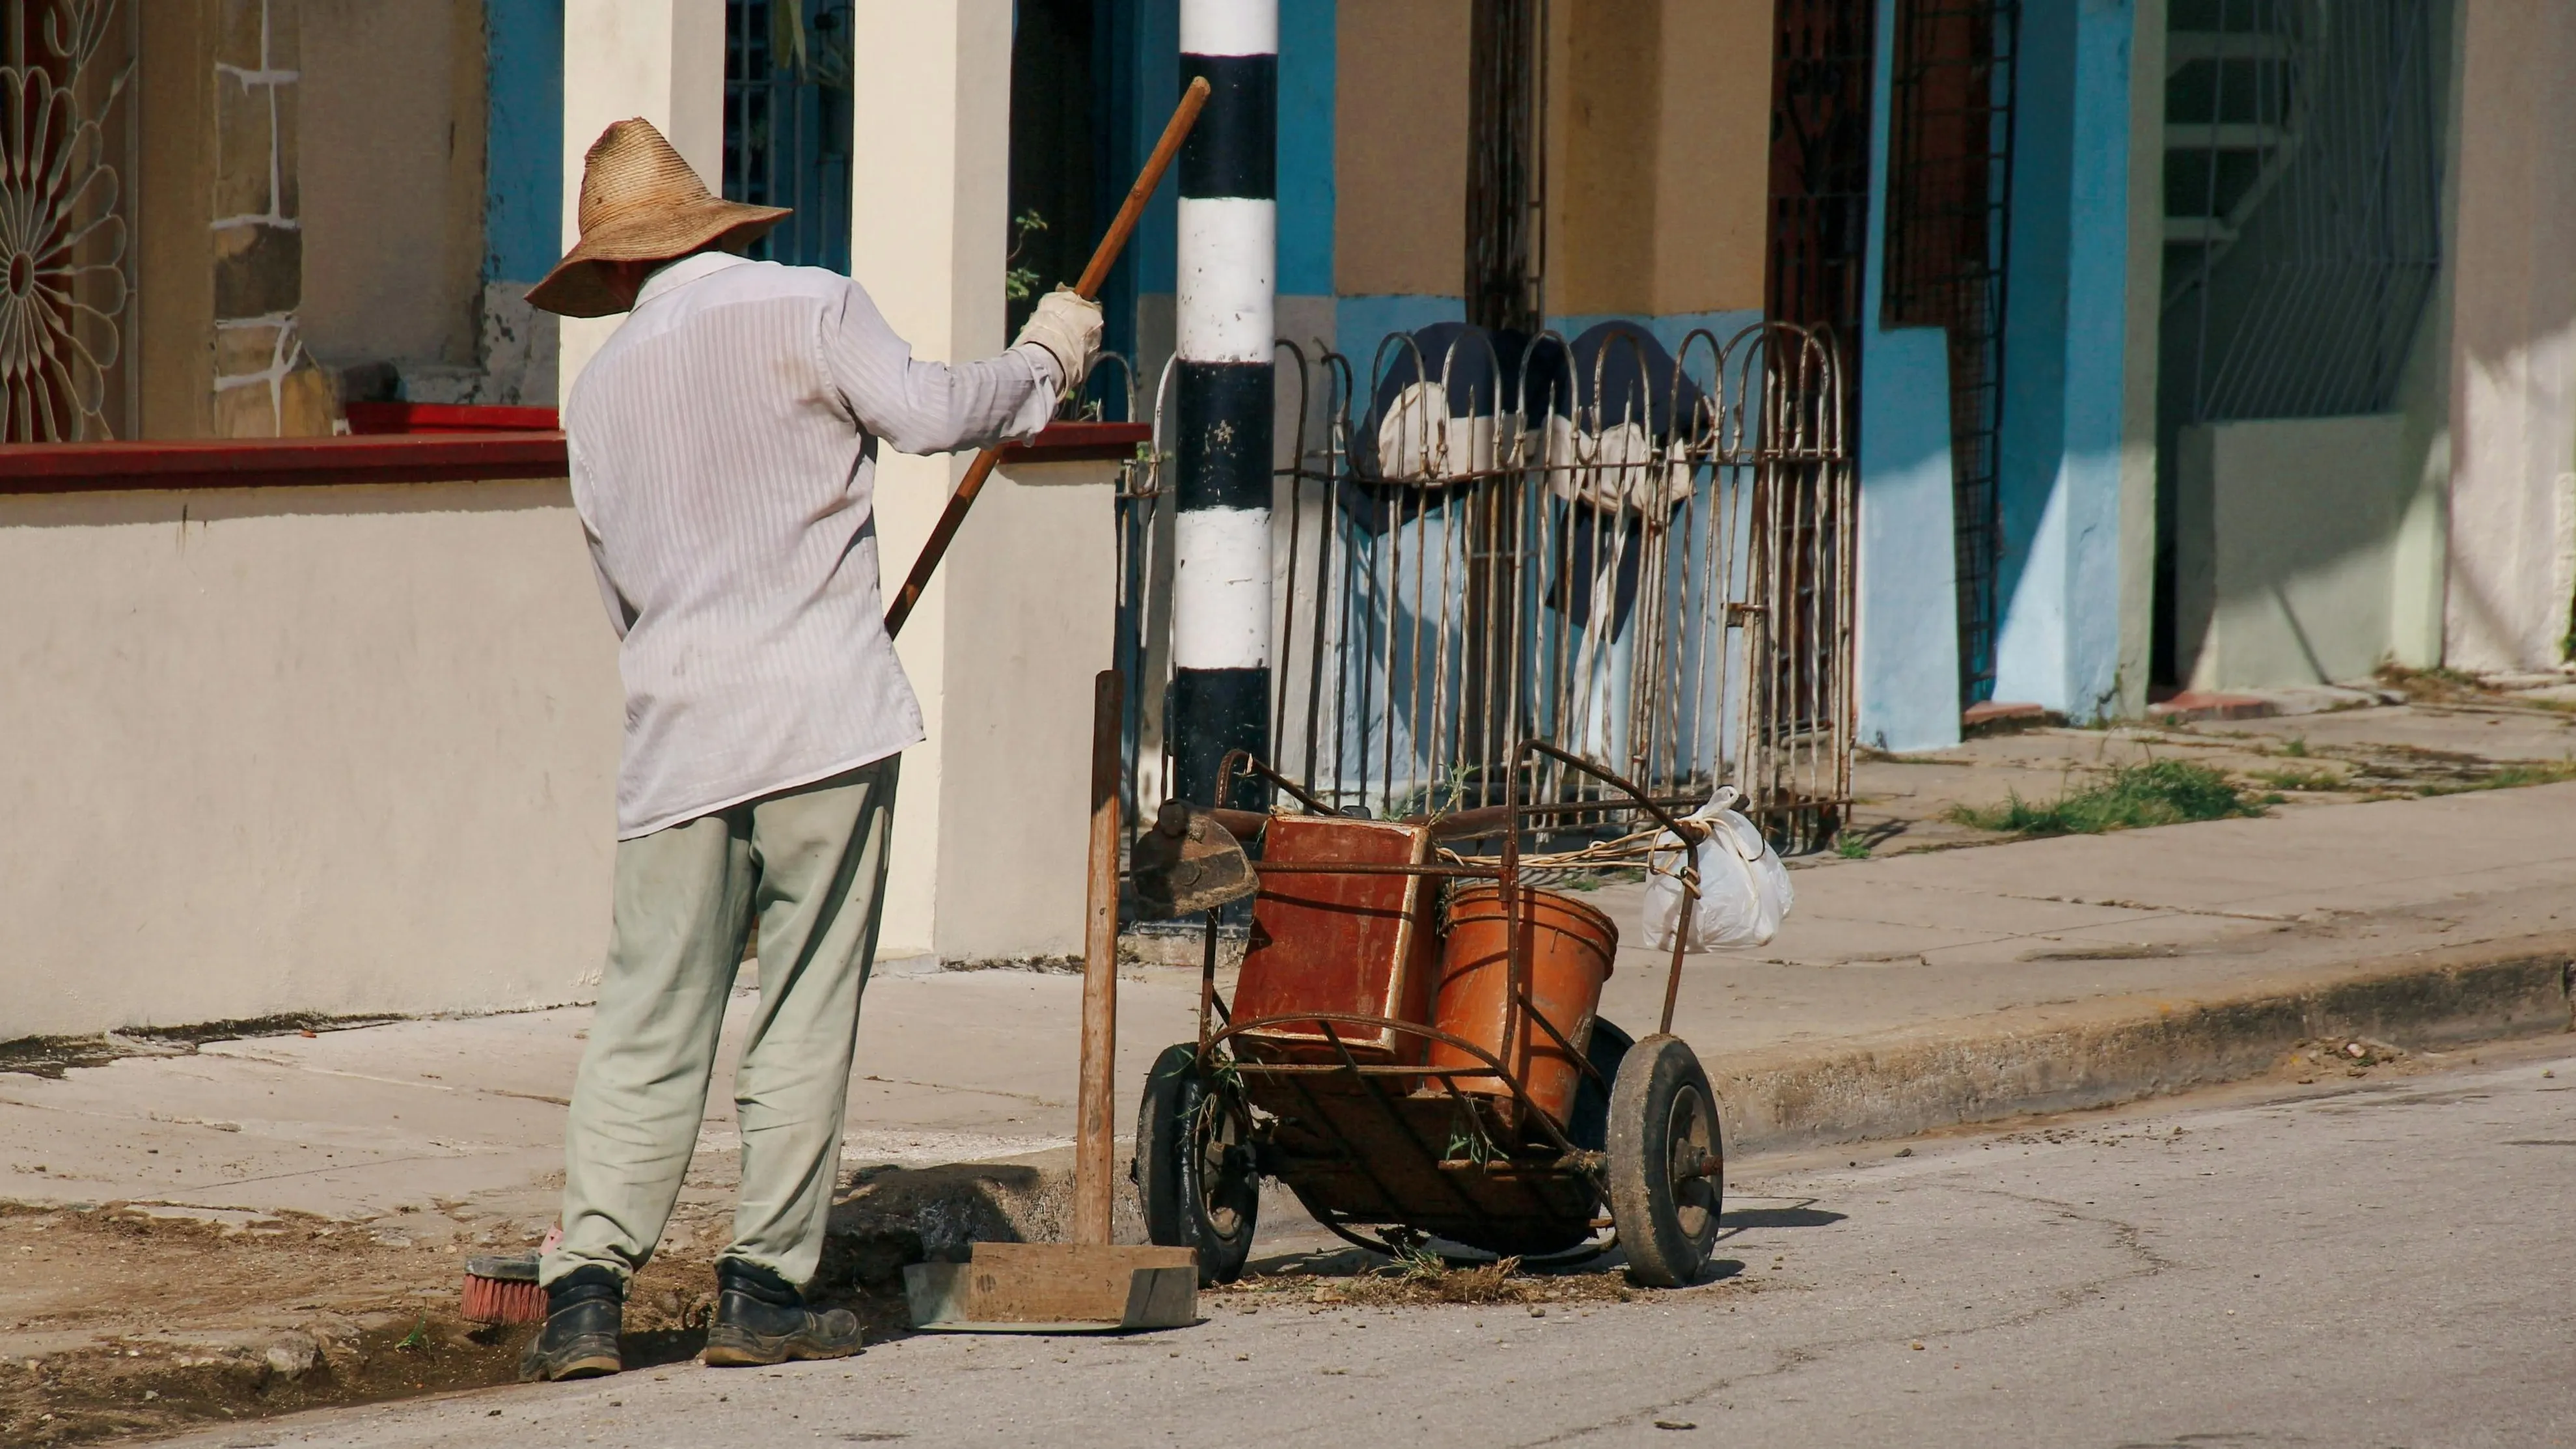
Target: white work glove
[1067, 325]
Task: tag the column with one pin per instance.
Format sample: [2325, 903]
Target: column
[1222, 394]
[659, 59]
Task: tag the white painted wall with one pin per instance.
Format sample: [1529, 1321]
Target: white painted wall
[335, 750]
[991, 827]
[1031, 597]
[2512, 543]
[659, 59]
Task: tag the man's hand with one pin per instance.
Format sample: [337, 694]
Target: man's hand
[1067, 325]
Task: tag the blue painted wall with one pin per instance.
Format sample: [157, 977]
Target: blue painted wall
[523, 152]
[1909, 632]
[2065, 360]
[1306, 70]
[1360, 323]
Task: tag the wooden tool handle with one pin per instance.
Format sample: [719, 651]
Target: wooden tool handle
[1095, 1132]
[1094, 277]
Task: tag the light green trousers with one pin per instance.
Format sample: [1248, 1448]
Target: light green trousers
[808, 867]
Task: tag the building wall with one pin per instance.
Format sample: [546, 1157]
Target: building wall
[337, 750]
[1400, 147]
[2075, 491]
[1658, 124]
[170, 320]
[522, 195]
[2512, 525]
[221, 270]
[2300, 518]
[1712, 158]
[393, 185]
[1908, 637]
[659, 59]
[1659, 121]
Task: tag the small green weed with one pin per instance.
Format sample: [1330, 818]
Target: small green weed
[418, 1338]
[2161, 792]
[1851, 847]
[2296, 747]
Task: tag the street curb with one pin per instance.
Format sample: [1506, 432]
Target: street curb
[2123, 1049]
[2096, 1054]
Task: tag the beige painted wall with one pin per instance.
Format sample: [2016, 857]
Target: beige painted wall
[1659, 117]
[170, 318]
[1400, 148]
[988, 856]
[335, 749]
[1605, 83]
[1659, 155]
[2512, 553]
[394, 108]
[1032, 593]
[1713, 155]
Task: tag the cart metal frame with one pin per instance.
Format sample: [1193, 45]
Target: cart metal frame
[1339, 1125]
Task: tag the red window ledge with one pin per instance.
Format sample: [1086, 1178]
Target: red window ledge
[391, 458]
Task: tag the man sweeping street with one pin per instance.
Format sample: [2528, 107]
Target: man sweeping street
[723, 447]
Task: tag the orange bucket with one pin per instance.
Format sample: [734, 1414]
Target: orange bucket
[1566, 947]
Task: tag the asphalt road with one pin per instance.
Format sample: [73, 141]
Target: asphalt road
[2376, 1263]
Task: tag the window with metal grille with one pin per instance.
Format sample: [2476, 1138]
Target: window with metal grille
[787, 124]
[1948, 232]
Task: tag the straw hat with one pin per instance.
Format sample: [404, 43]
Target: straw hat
[639, 203]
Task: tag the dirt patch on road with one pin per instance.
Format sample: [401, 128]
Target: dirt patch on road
[118, 1321]
[1353, 1280]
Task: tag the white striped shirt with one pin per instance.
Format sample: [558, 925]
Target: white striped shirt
[723, 447]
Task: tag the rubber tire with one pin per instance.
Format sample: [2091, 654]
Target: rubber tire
[1661, 1109]
[1169, 1173]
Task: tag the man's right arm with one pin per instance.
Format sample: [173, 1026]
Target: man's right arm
[931, 407]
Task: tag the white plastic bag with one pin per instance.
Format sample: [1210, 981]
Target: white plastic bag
[1744, 890]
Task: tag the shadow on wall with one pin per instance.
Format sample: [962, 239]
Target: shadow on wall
[2289, 531]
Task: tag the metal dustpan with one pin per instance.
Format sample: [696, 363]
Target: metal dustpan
[1089, 1285]
[1056, 1288]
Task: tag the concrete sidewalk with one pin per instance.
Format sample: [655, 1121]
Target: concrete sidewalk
[1904, 993]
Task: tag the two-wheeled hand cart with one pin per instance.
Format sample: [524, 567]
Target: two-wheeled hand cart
[1413, 1045]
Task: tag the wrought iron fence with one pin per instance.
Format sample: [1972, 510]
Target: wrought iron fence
[1642, 558]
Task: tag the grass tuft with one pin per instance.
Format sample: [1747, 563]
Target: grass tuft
[2161, 792]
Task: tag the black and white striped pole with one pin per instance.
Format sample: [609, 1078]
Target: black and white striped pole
[1222, 392]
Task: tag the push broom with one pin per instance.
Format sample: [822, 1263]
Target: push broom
[1086, 1284]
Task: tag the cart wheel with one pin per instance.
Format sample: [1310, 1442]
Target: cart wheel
[1194, 1167]
[1667, 1164]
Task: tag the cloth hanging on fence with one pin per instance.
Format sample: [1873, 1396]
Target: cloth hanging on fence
[1621, 440]
[1443, 404]
[1598, 547]
[1620, 449]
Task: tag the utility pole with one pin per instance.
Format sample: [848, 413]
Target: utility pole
[1223, 392]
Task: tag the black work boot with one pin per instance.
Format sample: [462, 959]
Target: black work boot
[761, 1318]
[584, 1309]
